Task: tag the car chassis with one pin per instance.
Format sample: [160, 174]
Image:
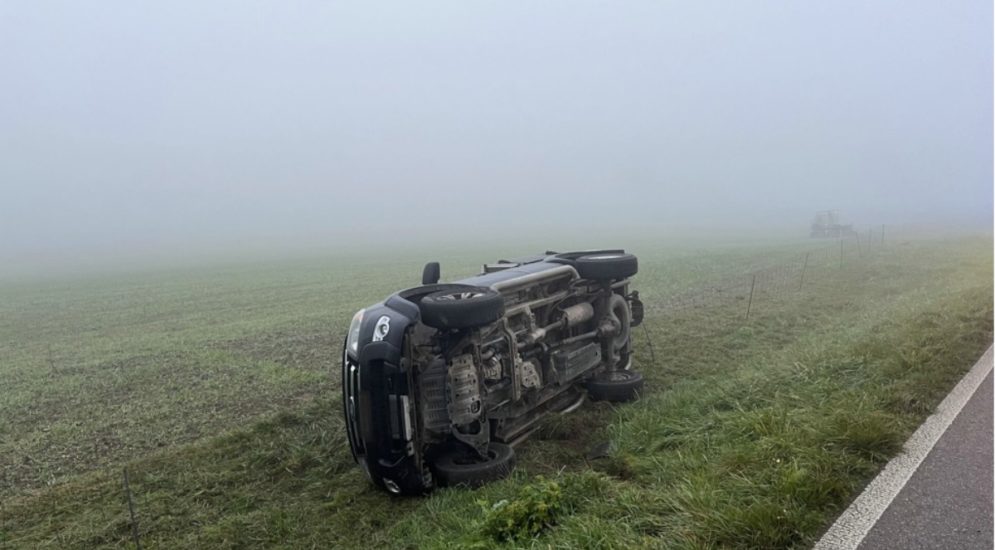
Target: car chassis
[441, 381]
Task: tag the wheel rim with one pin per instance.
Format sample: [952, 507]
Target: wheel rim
[470, 459]
[454, 296]
[617, 376]
[464, 459]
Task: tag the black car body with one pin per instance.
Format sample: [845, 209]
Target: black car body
[440, 381]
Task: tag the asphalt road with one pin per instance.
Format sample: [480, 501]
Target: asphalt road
[947, 503]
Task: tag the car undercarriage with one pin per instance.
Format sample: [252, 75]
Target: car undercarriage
[441, 381]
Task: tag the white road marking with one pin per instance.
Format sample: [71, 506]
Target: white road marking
[857, 520]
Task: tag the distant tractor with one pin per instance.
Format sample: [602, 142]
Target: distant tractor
[827, 226]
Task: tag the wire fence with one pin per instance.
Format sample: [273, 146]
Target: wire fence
[829, 257]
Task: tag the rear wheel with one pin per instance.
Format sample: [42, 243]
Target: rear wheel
[616, 386]
[461, 306]
[461, 465]
[606, 266]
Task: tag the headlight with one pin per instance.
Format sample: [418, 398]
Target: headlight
[352, 342]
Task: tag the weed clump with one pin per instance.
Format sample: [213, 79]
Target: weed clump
[534, 509]
[871, 434]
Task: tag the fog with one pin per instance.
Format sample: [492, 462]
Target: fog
[129, 129]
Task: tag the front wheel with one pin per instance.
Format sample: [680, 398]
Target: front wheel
[461, 307]
[462, 466]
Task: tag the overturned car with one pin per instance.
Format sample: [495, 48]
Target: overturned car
[440, 381]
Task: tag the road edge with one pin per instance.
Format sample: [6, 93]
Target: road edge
[856, 521]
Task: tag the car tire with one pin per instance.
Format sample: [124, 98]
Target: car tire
[607, 266]
[461, 307]
[462, 466]
[617, 386]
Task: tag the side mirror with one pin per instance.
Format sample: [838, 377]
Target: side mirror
[430, 275]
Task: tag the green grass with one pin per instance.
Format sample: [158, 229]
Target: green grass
[213, 386]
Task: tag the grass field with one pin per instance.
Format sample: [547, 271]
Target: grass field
[215, 387]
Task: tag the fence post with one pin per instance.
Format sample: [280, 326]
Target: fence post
[131, 511]
[749, 305]
[859, 251]
[804, 266]
[841, 252]
[882, 233]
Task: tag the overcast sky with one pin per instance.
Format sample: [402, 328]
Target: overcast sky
[140, 126]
